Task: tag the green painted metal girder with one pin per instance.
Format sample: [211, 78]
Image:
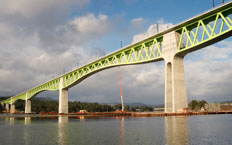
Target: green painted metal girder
[197, 32]
[206, 31]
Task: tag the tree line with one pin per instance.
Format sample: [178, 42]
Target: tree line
[1, 107]
[197, 105]
[140, 108]
[49, 105]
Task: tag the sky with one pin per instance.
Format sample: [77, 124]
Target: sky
[42, 39]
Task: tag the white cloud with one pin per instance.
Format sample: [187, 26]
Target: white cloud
[36, 49]
[91, 24]
[209, 76]
[137, 22]
[31, 8]
[140, 83]
[152, 30]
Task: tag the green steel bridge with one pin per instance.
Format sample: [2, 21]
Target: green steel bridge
[170, 45]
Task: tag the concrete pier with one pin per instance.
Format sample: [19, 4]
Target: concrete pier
[63, 119]
[12, 120]
[63, 98]
[180, 100]
[176, 130]
[175, 89]
[7, 107]
[27, 104]
[12, 108]
[27, 120]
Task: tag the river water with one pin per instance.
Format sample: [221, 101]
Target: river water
[178, 130]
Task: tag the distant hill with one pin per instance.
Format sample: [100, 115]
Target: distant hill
[226, 102]
[4, 97]
[135, 104]
[111, 104]
[44, 99]
[125, 104]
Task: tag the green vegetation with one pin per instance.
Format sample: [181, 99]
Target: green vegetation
[43, 105]
[138, 108]
[49, 105]
[90, 107]
[197, 105]
[1, 108]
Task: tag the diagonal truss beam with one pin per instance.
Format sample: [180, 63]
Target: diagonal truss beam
[205, 30]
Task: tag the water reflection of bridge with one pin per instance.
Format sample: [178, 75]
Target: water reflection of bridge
[176, 130]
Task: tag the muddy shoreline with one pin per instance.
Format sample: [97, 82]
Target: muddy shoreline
[113, 114]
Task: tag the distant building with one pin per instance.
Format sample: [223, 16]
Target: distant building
[218, 107]
[161, 109]
[83, 111]
[183, 110]
[203, 109]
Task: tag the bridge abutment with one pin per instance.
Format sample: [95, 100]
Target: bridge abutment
[63, 98]
[175, 88]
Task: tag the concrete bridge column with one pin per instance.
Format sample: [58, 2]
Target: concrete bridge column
[7, 107]
[63, 98]
[12, 108]
[27, 120]
[175, 89]
[27, 105]
[180, 99]
[168, 88]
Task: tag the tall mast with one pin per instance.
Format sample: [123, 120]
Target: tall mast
[121, 88]
[121, 84]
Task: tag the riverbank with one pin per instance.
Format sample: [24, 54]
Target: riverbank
[109, 114]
